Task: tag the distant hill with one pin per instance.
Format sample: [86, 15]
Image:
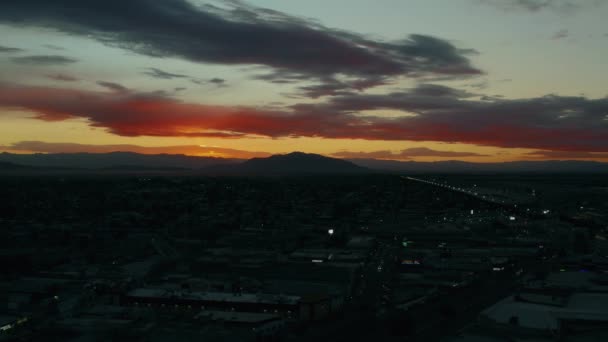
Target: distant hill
[455, 166]
[295, 163]
[114, 160]
[283, 164]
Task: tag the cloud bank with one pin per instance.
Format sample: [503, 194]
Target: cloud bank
[430, 113]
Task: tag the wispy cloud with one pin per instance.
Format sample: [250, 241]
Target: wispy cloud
[218, 81]
[62, 77]
[8, 49]
[560, 6]
[165, 75]
[158, 73]
[44, 60]
[113, 86]
[53, 47]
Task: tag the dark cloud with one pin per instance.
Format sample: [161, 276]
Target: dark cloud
[561, 34]
[44, 60]
[406, 154]
[241, 34]
[53, 47]
[421, 97]
[7, 49]
[158, 73]
[546, 123]
[282, 77]
[218, 81]
[436, 90]
[113, 86]
[331, 86]
[435, 55]
[62, 77]
[180, 88]
[161, 74]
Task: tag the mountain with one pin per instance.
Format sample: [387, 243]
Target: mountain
[295, 163]
[114, 160]
[456, 166]
[292, 163]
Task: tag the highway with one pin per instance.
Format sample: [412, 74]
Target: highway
[469, 192]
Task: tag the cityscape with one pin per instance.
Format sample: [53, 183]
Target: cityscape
[154, 256]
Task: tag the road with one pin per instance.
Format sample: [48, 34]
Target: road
[362, 317]
[506, 201]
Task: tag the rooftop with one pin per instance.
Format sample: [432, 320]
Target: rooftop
[237, 317]
[581, 306]
[216, 296]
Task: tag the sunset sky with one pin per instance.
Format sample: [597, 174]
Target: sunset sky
[474, 80]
